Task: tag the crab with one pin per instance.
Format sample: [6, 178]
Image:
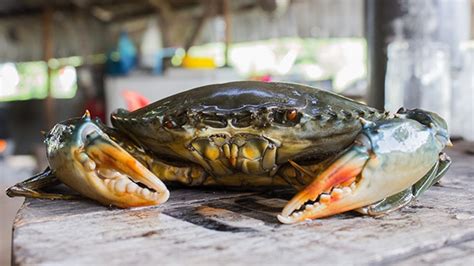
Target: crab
[337, 154]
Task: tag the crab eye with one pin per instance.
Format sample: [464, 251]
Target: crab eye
[175, 121]
[89, 131]
[243, 119]
[291, 115]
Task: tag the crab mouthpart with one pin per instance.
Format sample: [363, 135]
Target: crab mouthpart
[339, 181]
[116, 177]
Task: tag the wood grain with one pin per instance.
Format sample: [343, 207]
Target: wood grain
[231, 228]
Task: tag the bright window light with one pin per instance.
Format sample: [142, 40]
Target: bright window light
[9, 80]
[341, 62]
[64, 82]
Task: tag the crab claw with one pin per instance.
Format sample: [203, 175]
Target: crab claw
[86, 159]
[386, 158]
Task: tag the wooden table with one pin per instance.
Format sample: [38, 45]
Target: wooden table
[230, 228]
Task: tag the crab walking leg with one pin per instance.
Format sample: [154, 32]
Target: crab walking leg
[32, 187]
[441, 167]
[193, 175]
[386, 158]
[389, 204]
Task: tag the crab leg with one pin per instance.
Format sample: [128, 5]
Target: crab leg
[32, 187]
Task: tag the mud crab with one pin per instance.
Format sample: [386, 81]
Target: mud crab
[338, 154]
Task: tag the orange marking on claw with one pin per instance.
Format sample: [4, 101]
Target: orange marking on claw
[348, 182]
[332, 179]
[119, 159]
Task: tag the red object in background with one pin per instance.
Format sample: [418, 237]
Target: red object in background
[264, 78]
[96, 108]
[134, 100]
[3, 145]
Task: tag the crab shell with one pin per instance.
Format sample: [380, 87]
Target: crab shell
[301, 122]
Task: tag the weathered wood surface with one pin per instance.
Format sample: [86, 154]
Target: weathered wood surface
[13, 169]
[229, 228]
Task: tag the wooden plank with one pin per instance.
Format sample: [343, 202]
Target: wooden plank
[228, 30]
[13, 170]
[232, 228]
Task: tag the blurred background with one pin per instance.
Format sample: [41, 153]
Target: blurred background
[60, 57]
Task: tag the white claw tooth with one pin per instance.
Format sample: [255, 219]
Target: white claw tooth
[309, 207]
[316, 204]
[111, 184]
[346, 190]
[108, 173]
[83, 157]
[131, 187]
[89, 165]
[120, 185]
[145, 192]
[353, 186]
[285, 219]
[150, 196]
[324, 198]
[336, 192]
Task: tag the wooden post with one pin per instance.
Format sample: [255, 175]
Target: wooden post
[198, 26]
[48, 53]
[165, 18]
[228, 29]
[450, 21]
[379, 16]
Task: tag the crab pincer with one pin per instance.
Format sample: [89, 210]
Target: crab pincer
[385, 166]
[87, 159]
